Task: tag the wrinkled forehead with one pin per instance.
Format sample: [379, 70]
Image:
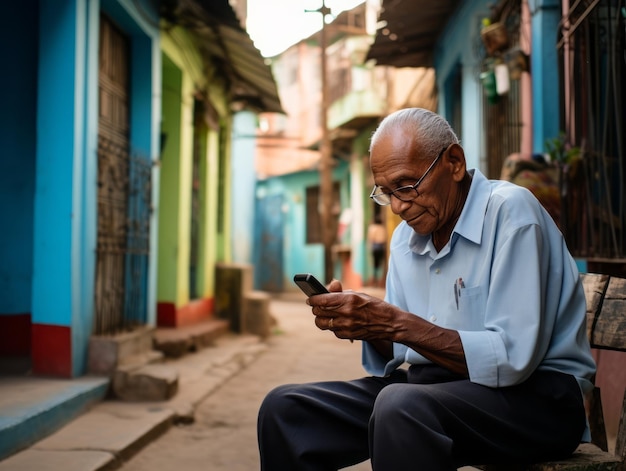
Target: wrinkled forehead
[395, 148]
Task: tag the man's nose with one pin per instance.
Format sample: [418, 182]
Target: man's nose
[397, 205]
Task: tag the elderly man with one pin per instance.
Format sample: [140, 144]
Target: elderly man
[483, 305]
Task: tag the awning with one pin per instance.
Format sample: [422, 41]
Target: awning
[409, 30]
[223, 42]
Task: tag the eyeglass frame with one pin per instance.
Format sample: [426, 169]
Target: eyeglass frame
[406, 187]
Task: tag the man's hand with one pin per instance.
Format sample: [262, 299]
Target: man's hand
[359, 316]
[352, 315]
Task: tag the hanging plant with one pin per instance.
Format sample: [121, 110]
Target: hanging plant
[500, 29]
[494, 37]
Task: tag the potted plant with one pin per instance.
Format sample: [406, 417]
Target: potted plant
[562, 155]
[494, 36]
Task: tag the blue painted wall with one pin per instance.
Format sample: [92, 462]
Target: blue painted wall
[48, 162]
[454, 53]
[60, 107]
[298, 256]
[545, 17]
[17, 157]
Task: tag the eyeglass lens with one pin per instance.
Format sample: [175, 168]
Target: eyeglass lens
[404, 193]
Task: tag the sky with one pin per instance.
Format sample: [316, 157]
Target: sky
[274, 25]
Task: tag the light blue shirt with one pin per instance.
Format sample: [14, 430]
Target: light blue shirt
[505, 281]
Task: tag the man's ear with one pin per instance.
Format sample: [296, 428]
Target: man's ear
[456, 158]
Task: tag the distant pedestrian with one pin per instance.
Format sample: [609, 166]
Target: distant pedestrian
[377, 241]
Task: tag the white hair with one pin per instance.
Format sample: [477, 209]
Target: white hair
[430, 131]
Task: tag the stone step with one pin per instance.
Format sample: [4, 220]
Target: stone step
[152, 382]
[141, 359]
[108, 352]
[175, 342]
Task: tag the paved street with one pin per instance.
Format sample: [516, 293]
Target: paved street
[223, 437]
[221, 388]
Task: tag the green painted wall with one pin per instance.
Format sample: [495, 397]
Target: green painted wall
[208, 223]
[169, 197]
[186, 80]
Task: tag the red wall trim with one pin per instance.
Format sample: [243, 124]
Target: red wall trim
[192, 313]
[52, 350]
[166, 314]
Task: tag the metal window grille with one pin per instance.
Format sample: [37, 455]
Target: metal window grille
[592, 53]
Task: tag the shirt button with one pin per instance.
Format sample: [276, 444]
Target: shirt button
[438, 270]
[433, 318]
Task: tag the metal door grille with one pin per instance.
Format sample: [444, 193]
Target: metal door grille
[112, 234]
[122, 201]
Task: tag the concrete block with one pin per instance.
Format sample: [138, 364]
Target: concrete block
[206, 334]
[176, 342]
[107, 352]
[232, 281]
[148, 383]
[256, 313]
[173, 346]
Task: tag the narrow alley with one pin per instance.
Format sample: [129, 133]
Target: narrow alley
[223, 437]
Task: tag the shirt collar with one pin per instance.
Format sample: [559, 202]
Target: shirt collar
[471, 221]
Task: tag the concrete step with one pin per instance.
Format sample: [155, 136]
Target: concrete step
[175, 342]
[33, 408]
[108, 352]
[139, 378]
[131, 363]
[149, 357]
[152, 382]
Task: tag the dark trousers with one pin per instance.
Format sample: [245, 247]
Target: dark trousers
[425, 419]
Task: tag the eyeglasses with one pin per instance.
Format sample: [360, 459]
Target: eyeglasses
[404, 193]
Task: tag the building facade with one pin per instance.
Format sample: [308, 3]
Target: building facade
[116, 170]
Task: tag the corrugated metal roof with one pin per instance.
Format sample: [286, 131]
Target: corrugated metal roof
[409, 30]
[223, 42]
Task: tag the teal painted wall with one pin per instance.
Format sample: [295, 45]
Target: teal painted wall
[544, 63]
[457, 49]
[59, 137]
[18, 87]
[298, 256]
[65, 190]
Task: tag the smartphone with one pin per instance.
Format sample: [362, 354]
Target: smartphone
[309, 284]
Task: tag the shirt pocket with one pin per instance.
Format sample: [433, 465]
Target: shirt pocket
[472, 306]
